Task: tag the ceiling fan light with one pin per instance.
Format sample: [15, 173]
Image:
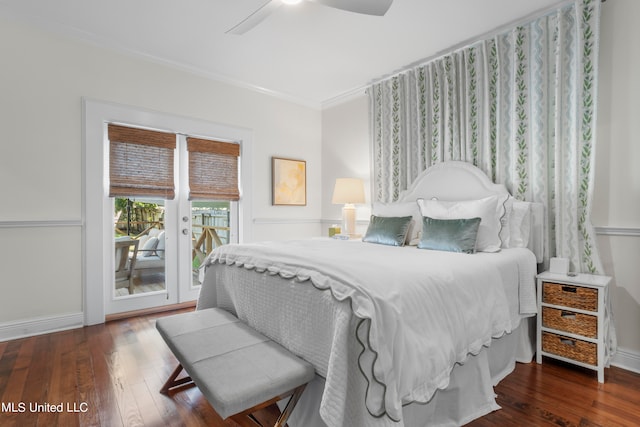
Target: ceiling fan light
[291, 1]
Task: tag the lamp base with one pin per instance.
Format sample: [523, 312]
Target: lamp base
[349, 220]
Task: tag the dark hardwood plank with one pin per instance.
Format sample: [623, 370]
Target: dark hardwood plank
[101, 346]
[69, 396]
[116, 370]
[560, 394]
[13, 374]
[39, 368]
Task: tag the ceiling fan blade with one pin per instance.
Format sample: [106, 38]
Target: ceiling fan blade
[255, 18]
[367, 7]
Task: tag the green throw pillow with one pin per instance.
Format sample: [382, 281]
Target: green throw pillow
[390, 231]
[452, 235]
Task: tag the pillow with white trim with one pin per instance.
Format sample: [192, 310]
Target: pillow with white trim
[505, 222]
[520, 224]
[490, 210]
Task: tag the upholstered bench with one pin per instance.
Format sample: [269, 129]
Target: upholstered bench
[237, 369]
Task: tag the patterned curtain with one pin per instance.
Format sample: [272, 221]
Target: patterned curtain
[521, 106]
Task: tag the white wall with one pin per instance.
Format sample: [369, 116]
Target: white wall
[345, 145]
[617, 193]
[43, 77]
[345, 154]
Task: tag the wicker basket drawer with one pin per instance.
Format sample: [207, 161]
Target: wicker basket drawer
[570, 296]
[568, 321]
[579, 350]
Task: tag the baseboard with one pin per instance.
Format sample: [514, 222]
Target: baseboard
[40, 325]
[152, 310]
[46, 325]
[626, 359]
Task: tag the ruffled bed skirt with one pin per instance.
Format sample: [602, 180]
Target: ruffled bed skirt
[471, 383]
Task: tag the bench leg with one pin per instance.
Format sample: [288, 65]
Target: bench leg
[172, 382]
[282, 419]
[246, 419]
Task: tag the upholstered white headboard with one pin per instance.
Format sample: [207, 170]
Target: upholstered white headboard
[455, 180]
[452, 181]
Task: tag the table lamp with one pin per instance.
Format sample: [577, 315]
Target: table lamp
[348, 191]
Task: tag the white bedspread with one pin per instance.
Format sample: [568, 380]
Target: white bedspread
[426, 310]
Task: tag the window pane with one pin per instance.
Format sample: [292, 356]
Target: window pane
[210, 229]
[140, 246]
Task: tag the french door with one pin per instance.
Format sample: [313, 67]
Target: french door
[168, 241]
[98, 208]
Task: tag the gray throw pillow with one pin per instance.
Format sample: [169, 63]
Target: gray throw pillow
[452, 235]
[390, 231]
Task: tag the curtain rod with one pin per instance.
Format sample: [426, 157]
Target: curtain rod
[468, 42]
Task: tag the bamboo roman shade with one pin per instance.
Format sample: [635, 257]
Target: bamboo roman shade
[141, 162]
[213, 170]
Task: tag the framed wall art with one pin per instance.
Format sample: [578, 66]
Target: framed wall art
[288, 182]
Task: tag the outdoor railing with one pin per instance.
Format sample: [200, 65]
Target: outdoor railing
[202, 245]
[208, 241]
[134, 226]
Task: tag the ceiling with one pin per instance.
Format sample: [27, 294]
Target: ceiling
[307, 53]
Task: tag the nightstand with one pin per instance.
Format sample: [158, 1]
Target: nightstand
[573, 319]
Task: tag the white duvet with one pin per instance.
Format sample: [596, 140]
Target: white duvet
[426, 310]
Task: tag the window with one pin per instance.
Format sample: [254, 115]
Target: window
[141, 162]
[213, 170]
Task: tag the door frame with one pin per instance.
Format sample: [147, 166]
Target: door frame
[97, 230]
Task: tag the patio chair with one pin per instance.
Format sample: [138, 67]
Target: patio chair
[125, 264]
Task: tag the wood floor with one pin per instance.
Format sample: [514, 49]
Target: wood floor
[109, 375]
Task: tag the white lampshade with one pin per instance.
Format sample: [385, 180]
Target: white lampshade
[348, 190]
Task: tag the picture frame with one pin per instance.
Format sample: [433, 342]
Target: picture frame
[288, 182]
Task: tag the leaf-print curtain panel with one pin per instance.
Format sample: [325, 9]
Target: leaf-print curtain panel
[521, 106]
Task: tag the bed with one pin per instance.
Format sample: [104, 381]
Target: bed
[406, 335]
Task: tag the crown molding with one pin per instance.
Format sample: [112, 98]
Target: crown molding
[87, 38]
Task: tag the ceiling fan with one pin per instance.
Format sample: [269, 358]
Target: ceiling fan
[367, 7]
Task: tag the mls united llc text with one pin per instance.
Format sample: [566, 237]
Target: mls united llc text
[21, 407]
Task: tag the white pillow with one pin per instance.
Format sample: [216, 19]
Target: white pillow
[154, 232]
[520, 224]
[161, 245]
[400, 209]
[142, 240]
[149, 246]
[490, 210]
[505, 222]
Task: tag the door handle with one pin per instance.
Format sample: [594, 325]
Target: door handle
[185, 231]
